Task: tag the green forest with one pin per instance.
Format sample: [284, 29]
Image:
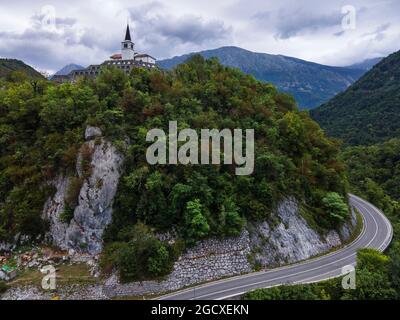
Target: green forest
[365, 118]
[368, 111]
[42, 129]
[15, 70]
[373, 172]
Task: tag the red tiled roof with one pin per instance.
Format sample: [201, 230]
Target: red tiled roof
[116, 56]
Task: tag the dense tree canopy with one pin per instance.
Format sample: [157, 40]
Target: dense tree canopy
[368, 111]
[42, 129]
[292, 155]
[374, 172]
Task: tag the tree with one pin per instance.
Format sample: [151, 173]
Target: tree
[196, 224]
[372, 260]
[159, 260]
[138, 256]
[17, 76]
[336, 208]
[372, 276]
[230, 219]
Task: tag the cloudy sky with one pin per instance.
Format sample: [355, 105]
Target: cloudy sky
[50, 34]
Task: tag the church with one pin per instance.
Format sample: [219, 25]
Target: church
[126, 60]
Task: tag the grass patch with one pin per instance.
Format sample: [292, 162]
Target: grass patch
[66, 275]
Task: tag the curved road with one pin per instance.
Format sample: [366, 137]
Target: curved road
[377, 233]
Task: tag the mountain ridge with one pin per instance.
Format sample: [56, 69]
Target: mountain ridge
[312, 84]
[9, 66]
[67, 69]
[367, 64]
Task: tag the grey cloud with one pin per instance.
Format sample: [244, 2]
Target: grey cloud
[66, 21]
[340, 33]
[164, 29]
[36, 54]
[293, 23]
[191, 29]
[263, 16]
[41, 46]
[184, 29]
[379, 32]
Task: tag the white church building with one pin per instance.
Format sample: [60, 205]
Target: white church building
[126, 60]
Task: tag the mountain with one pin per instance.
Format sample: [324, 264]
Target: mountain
[369, 111]
[366, 64]
[67, 69]
[8, 66]
[310, 83]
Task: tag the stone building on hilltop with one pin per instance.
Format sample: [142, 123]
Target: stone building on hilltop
[126, 61]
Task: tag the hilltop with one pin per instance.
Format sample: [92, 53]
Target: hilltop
[82, 146]
[8, 66]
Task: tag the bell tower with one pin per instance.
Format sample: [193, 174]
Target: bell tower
[128, 47]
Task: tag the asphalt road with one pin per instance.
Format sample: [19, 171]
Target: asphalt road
[377, 233]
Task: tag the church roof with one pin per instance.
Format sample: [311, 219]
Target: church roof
[144, 55]
[128, 34]
[117, 56]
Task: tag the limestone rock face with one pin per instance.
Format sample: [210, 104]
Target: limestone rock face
[18, 239]
[92, 132]
[4, 246]
[53, 210]
[94, 211]
[347, 229]
[292, 240]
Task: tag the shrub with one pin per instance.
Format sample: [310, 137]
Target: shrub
[3, 287]
[335, 207]
[72, 194]
[197, 225]
[142, 256]
[67, 215]
[110, 256]
[86, 153]
[158, 260]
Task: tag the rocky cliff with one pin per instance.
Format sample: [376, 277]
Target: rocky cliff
[94, 210]
[293, 240]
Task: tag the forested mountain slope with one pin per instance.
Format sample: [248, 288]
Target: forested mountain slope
[8, 67]
[369, 111]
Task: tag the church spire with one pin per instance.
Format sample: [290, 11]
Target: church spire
[128, 34]
[128, 47]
